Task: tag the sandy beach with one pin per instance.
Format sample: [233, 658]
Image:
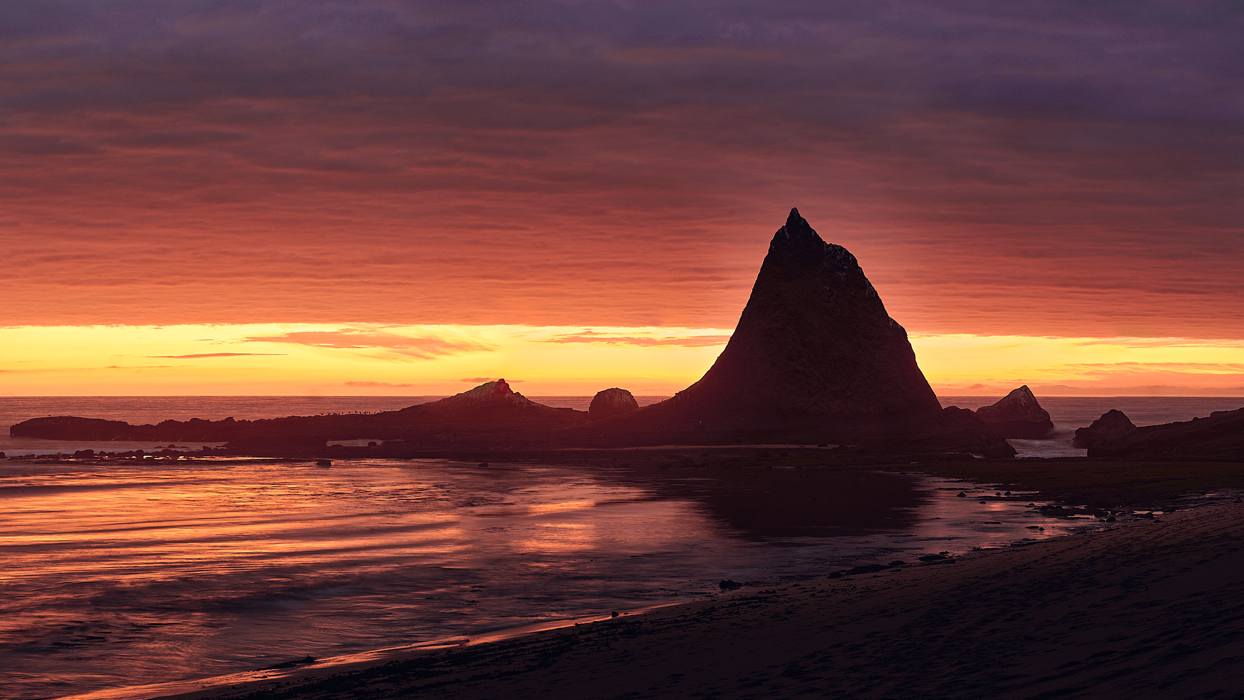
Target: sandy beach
[1144, 608]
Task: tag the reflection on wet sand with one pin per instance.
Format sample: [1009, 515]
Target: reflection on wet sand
[121, 575]
[764, 502]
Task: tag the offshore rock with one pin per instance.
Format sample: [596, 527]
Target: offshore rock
[815, 358]
[608, 403]
[1017, 415]
[1112, 426]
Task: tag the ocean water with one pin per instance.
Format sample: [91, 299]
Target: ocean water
[116, 576]
[121, 575]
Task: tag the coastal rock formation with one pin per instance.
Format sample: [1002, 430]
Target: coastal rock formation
[72, 428]
[815, 358]
[1017, 415]
[1112, 426]
[1219, 436]
[490, 414]
[608, 403]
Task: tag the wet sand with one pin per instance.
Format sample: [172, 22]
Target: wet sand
[1147, 607]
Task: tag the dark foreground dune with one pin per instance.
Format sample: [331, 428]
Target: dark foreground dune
[1149, 607]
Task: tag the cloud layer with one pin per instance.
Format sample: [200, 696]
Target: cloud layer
[1051, 167]
[419, 347]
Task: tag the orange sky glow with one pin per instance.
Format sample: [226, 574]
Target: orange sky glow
[380, 197]
[326, 359]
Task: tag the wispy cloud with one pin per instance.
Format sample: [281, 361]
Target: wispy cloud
[365, 383]
[420, 347]
[208, 355]
[687, 341]
[999, 169]
[1113, 368]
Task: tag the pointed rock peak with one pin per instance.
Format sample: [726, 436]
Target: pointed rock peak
[487, 390]
[798, 232]
[1018, 415]
[1021, 398]
[798, 249]
[1023, 394]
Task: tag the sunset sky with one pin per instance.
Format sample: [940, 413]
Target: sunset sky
[375, 196]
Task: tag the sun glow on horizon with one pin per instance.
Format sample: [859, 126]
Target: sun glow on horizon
[367, 359]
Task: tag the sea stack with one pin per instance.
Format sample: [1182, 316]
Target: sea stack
[1017, 415]
[1114, 425]
[815, 358]
[608, 403]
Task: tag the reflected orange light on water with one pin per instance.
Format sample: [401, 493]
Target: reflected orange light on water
[140, 573]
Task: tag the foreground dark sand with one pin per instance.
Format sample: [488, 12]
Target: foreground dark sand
[1147, 607]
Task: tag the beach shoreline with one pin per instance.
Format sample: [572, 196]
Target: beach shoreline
[1095, 489]
[1140, 595]
[1152, 597]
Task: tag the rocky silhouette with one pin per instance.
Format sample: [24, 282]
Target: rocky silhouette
[1112, 426]
[1219, 436]
[1017, 415]
[608, 403]
[491, 413]
[815, 358]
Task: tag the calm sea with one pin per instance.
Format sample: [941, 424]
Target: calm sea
[121, 575]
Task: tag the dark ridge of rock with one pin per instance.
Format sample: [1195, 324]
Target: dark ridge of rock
[1219, 436]
[953, 430]
[491, 414]
[72, 428]
[1112, 426]
[815, 358]
[496, 393]
[1017, 415]
[608, 403]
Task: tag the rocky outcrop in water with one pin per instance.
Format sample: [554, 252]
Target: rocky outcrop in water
[1017, 415]
[72, 428]
[815, 358]
[609, 403]
[1112, 426]
[1219, 436]
[492, 413]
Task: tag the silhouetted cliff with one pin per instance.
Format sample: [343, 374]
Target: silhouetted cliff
[815, 358]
